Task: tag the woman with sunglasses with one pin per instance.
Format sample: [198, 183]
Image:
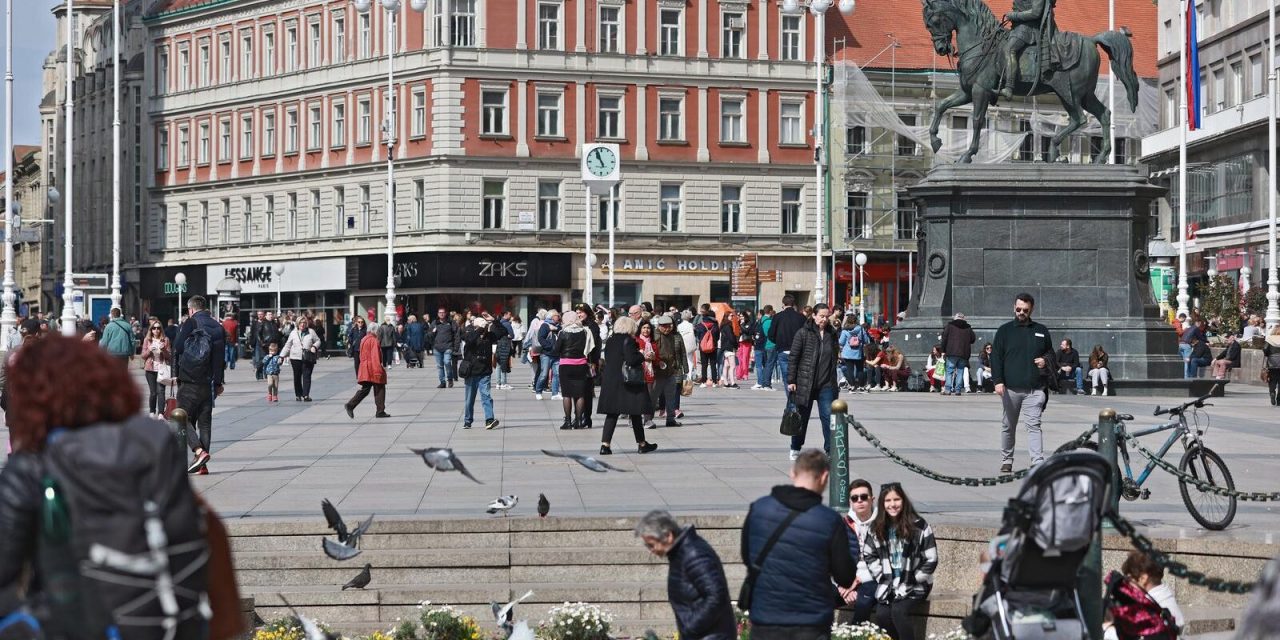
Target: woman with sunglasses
[860, 599]
[901, 555]
[155, 352]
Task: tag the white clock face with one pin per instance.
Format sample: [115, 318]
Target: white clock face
[601, 162]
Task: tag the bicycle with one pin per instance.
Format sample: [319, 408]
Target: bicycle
[1198, 462]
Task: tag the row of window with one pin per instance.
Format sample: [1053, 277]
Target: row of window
[1231, 85]
[296, 223]
[254, 52]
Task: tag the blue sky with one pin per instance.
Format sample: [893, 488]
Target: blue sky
[33, 31]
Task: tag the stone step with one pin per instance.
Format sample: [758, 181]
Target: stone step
[380, 540]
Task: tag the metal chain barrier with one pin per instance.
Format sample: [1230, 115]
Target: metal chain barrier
[955, 480]
[1196, 578]
[1202, 485]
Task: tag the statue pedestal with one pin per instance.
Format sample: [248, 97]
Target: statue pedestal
[1073, 236]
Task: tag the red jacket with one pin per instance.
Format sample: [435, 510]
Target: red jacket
[371, 369]
[232, 329]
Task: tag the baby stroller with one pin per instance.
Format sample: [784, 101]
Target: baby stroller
[409, 356]
[1030, 590]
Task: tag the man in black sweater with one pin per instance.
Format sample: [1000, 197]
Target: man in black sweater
[1021, 354]
[782, 330]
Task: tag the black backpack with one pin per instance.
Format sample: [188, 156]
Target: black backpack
[122, 548]
[193, 364]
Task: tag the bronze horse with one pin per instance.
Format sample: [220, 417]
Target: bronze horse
[979, 37]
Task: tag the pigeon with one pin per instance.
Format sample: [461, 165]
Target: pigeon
[443, 460]
[503, 613]
[503, 504]
[544, 505]
[310, 630]
[361, 580]
[337, 550]
[351, 538]
[586, 461]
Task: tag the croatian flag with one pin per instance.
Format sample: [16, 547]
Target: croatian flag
[1192, 58]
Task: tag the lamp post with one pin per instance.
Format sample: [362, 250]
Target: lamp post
[819, 10]
[8, 318]
[1273, 282]
[278, 270]
[115, 154]
[389, 132]
[861, 261]
[68, 318]
[180, 283]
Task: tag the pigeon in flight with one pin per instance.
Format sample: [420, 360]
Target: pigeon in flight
[310, 630]
[361, 580]
[443, 460]
[337, 550]
[349, 538]
[544, 505]
[503, 504]
[503, 613]
[586, 461]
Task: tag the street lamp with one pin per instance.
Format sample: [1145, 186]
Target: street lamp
[389, 132]
[819, 10]
[278, 269]
[861, 261]
[68, 319]
[8, 318]
[180, 283]
[115, 154]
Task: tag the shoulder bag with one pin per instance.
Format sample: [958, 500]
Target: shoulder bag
[753, 570]
[792, 423]
[633, 375]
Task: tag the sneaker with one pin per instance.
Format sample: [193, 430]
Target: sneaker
[382, 414]
[647, 447]
[756, 387]
[199, 463]
[204, 471]
[490, 424]
[651, 425]
[1006, 467]
[466, 425]
[556, 396]
[1095, 391]
[794, 454]
[537, 396]
[679, 414]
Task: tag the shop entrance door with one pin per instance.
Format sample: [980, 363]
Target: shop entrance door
[662, 303]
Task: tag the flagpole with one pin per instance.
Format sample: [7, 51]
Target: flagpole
[1184, 122]
[1111, 84]
[1273, 282]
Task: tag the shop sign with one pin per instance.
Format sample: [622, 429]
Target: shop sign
[469, 269]
[327, 274]
[173, 288]
[640, 264]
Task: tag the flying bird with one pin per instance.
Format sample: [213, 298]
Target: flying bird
[337, 550]
[586, 461]
[503, 504]
[503, 613]
[544, 505]
[310, 630]
[443, 460]
[361, 580]
[349, 538]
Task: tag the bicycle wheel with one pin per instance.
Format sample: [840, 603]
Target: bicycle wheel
[1211, 510]
[1071, 446]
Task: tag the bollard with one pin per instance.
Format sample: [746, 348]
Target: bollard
[178, 423]
[838, 485]
[1089, 582]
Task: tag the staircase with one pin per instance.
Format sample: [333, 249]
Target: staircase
[469, 563]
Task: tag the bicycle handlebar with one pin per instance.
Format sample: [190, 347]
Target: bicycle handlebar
[1198, 403]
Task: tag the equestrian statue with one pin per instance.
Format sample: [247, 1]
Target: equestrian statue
[1031, 58]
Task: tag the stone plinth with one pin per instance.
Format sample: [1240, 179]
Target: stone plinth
[1073, 236]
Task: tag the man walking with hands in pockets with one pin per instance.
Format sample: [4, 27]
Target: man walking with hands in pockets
[1022, 352]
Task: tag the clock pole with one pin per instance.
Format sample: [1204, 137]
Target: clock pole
[598, 181]
[588, 290]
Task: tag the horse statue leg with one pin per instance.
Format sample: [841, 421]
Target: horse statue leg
[1100, 111]
[981, 100]
[1076, 114]
[957, 99]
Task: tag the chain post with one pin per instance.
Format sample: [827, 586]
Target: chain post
[178, 423]
[838, 487]
[1107, 447]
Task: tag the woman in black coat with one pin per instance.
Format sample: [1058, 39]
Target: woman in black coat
[617, 398]
[815, 354]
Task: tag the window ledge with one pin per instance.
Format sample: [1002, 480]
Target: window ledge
[315, 149]
[269, 155]
[225, 161]
[338, 147]
[734, 144]
[613, 140]
[496, 136]
[674, 143]
[552, 138]
[361, 145]
[417, 136]
[793, 145]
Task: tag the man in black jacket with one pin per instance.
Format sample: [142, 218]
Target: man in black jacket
[696, 585]
[198, 385]
[1227, 360]
[782, 330]
[1069, 367]
[957, 343]
[1021, 359]
[444, 337]
[792, 596]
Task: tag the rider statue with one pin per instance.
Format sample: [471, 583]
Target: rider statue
[1032, 24]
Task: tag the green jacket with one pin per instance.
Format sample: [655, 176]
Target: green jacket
[1013, 354]
[117, 338]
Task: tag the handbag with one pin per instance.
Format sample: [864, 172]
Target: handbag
[753, 570]
[633, 375]
[164, 374]
[792, 423]
[686, 388]
[464, 368]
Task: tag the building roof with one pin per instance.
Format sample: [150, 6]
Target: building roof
[162, 7]
[21, 151]
[873, 25]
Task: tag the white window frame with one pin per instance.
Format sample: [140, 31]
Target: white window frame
[420, 203]
[338, 26]
[224, 232]
[270, 214]
[493, 116]
[366, 209]
[493, 206]
[162, 70]
[731, 209]
[246, 136]
[733, 35]
[269, 62]
[664, 131]
[184, 67]
[269, 134]
[205, 60]
[338, 121]
[670, 209]
[315, 43]
[550, 211]
[665, 46]
[340, 208]
[162, 144]
[546, 117]
[852, 148]
[364, 120]
[224, 139]
[618, 130]
[314, 201]
[791, 38]
[858, 217]
[292, 46]
[291, 216]
[184, 146]
[204, 223]
[791, 126]
[224, 58]
[182, 225]
[246, 219]
[463, 31]
[315, 127]
[418, 124]
[739, 127]
[365, 37]
[785, 213]
[610, 35]
[246, 54]
[291, 125]
[550, 30]
[204, 133]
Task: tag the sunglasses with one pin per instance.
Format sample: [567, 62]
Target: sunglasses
[859, 497]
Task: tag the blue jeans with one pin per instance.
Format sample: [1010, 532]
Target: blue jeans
[1078, 375]
[444, 360]
[550, 370]
[231, 354]
[771, 367]
[1184, 352]
[1193, 366]
[473, 384]
[825, 396]
[502, 375]
[853, 371]
[762, 359]
[956, 370]
[784, 366]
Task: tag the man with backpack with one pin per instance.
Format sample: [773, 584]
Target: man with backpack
[707, 333]
[198, 365]
[117, 337]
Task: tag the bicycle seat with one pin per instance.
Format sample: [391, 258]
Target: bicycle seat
[1124, 416]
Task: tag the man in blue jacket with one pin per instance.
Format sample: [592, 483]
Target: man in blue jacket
[793, 597]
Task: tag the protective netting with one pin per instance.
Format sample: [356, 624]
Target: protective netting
[858, 102]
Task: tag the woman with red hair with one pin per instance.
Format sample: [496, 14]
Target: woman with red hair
[89, 468]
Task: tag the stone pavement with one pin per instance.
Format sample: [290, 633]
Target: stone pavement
[276, 461]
